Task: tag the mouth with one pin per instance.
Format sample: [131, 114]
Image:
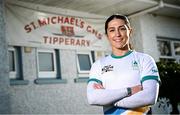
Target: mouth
[117, 40]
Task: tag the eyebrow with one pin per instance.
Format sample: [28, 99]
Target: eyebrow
[118, 27]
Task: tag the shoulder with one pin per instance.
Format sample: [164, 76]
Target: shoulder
[99, 61]
[102, 60]
[143, 56]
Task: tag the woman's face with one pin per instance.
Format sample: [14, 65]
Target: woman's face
[118, 34]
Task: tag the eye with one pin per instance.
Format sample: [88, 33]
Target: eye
[123, 28]
[111, 30]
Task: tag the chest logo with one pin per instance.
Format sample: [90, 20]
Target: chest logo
[107, 68]
[135, 65]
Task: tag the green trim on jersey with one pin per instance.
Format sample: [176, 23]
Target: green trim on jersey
[118, 57]
[94, 79]
[150, 77]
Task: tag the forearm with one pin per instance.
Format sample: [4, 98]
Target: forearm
[104, 96]
[147, 96]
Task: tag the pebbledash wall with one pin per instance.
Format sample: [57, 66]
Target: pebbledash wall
[67, 95]
[4, 79]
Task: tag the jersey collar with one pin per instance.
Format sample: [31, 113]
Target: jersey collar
[118, 57]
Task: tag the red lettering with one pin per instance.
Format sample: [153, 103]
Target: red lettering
[27, 28]
[55, 40]
[45, 39]
[34, 26]
[42, 22]
[94, 31]
[99, 36]
[60, 19]
[78, 42]
[50, 40]
[72, 41]
[66, 20]
[61, 40]
[47, 20]
[88, 42]
[53, 20]
[82, 24]
[72, 21]
[66, 41]
[88, 28]
[77, 23]
[82, 42]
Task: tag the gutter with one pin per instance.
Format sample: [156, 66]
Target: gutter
[160, 5]
[145, 11]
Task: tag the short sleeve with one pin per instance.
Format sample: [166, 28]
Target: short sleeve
[95, 72]
[149, 69]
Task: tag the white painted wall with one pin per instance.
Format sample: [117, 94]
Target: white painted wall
[153, 26]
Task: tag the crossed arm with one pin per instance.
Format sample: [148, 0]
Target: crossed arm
[142, 95]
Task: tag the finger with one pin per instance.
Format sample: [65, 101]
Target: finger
[98, 86]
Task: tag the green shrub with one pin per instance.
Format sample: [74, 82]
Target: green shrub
[168, 69]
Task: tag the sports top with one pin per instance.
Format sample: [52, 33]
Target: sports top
[120, 72]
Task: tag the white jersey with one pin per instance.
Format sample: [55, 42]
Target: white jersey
[116, 72]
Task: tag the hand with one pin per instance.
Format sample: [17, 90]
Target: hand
[97, 86]
[136, 89]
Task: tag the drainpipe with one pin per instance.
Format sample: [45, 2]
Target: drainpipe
[160, 5]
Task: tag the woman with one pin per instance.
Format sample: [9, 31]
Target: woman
[125, 82]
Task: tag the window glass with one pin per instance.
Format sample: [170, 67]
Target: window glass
[164, 48]
[47, 66]
[11, 61]
[84, 62]
[177, 48]
[46, 62]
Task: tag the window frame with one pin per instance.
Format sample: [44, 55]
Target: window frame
[17, 78]
[47, 74]
[172, 49]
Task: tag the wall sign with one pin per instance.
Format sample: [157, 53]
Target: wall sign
[27, 27]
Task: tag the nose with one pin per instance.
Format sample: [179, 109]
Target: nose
[118, 33]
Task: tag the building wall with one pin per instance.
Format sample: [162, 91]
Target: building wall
[136, 38]
[154, 26]
[4, 80]
[65, 98]
[147, 28]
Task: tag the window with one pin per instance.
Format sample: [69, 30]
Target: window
[46, 64]
[177, 48]
[12, 63]
[164, 48]
[169, 49]
[84, 62]
[15, 66]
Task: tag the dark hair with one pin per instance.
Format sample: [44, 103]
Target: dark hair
[117, 16]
